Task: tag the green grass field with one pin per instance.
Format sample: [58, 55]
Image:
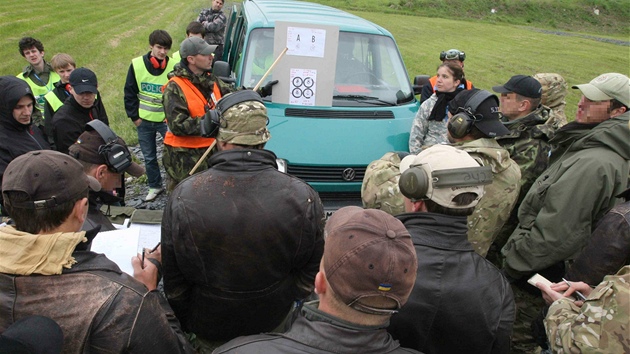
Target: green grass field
[105, 36]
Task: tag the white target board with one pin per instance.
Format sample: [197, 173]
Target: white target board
[306, 73]
[303, 87]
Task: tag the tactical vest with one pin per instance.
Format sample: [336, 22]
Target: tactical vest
[40, 91]
[150, 90]
[197, 109]
[433, 81]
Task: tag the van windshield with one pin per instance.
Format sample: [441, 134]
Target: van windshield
[369, 69]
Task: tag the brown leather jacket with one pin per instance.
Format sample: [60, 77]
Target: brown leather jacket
[99, 308]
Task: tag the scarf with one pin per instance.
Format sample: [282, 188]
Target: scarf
[22, 253]
[443, 98]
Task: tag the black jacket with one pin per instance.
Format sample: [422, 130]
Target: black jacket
[461, 303]
[62, 94]
[95, 217]
[15, 138]
[317, 332]
[240, 242]
[69, 121]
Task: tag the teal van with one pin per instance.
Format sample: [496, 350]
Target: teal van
[373, 102]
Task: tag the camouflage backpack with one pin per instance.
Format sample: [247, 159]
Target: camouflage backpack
[380, 184]
[554, 91]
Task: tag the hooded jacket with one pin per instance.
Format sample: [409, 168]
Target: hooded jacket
[240, 243]
[499, 198]
[15, 138]
[54, 276]
[589, 166]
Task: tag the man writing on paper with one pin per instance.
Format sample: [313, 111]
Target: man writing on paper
[45, 267]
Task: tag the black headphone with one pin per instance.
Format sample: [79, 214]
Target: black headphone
[224, 104]
[462, 122]
[116, 156]
[461, 56]
[418, 181]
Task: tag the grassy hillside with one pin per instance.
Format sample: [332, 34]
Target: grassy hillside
[595, 16]
[105, 36]
[101, 35]
[495, 52]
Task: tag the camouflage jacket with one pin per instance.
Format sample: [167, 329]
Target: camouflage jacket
[214, 22]
[176, 107]
[425, 132]
[380, 184]
[499, 198]
[528, 145]
[599, 326]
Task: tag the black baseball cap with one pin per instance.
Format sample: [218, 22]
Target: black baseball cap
[486, 114]
[83, 80]
[523, 85]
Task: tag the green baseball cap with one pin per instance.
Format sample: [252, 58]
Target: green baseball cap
[607, 87]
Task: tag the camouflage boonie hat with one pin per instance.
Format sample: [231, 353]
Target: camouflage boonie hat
[244, 123]
[555, 89]
[380, 185]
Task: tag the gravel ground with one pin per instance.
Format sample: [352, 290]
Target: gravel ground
[137, 189]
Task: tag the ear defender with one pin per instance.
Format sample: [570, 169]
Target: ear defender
[156, 64]
[117, 157]
[414, 182]
[460, 124]
[452, 54]
[223, 105]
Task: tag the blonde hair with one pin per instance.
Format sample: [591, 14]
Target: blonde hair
[61, 60]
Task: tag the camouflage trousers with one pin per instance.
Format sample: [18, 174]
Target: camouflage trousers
[528, 311]
[178, 162]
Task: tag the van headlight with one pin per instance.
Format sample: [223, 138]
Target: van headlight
[282, 165]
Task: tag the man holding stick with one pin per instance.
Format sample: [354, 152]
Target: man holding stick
[189, 97]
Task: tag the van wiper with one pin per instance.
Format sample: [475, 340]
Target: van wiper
[364, 99]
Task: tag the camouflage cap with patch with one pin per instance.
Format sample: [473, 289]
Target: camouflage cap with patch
[244, 123]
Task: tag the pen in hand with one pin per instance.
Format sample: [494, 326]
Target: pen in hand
[578, 293]
[150, 251]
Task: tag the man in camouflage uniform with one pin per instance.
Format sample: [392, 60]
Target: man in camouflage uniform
[527, 142]
[587, 169]
[500, 197]
[188, 96]
[380, 184]
[554, 91]
[599, 325]
[528, 145]
[214, 22]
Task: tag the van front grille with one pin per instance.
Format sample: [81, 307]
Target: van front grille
[337, 113]
[327, 174]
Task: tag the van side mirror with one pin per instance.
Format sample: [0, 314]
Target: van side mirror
[418, 82]
[221, 69]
